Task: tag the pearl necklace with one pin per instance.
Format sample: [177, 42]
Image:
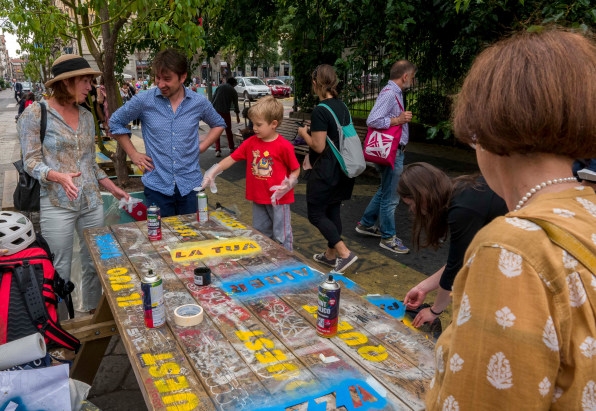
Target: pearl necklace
[540, 186]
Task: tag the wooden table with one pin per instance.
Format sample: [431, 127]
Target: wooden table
[257, 347]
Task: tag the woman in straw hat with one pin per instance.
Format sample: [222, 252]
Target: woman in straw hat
[523, 334]
[70, 197]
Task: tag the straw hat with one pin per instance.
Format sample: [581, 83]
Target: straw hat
[70, 65]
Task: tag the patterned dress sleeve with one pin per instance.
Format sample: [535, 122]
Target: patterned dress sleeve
[502, 347]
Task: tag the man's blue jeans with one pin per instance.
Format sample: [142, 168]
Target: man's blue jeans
[172, 205]
[381, 209]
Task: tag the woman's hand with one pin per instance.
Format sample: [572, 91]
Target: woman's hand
[423, 317]
[120, 193]
[414, 298]
[66, 181]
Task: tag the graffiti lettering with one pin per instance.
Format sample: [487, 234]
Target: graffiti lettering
[355, 339]
[227, 221]
[229, 247]
[160, 365]
[108, 247]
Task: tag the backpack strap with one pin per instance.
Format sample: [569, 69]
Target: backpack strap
[339, 126]
[27, 282]
[5, 283]
[340, 131]
[43, 122]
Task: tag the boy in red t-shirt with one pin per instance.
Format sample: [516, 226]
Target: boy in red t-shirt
[272, 171]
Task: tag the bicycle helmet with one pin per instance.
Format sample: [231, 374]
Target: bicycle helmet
[16, 232]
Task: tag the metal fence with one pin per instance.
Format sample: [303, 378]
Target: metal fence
[425, 99]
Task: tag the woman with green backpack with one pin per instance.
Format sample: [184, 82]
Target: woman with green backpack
[327, 185]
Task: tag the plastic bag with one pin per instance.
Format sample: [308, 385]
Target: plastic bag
[134, 207]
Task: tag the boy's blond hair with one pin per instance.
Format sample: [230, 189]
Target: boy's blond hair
[268, 109]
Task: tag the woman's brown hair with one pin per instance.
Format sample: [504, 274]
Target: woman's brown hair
[325, 79]
[59, 90]
[531, 93]
[430, 189]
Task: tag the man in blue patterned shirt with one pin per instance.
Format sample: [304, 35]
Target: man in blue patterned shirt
[170, 115]
[379, 217]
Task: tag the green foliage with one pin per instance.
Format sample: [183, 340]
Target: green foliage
[432, 107]
[443, 128]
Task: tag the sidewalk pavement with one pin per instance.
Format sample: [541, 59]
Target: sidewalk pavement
[115, 386]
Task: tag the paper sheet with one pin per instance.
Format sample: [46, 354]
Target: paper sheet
[36, 389]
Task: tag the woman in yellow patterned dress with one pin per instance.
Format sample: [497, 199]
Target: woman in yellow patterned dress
[524, 324]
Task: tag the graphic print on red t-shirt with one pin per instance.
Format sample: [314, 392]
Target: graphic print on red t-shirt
[262, 166]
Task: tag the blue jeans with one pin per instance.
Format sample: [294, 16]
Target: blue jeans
[381, 209]
[172, 205]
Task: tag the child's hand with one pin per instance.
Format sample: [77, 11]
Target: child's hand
[281, 190]
[209, 178]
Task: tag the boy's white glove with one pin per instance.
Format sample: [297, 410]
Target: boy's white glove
[281, 190]
[209, 178]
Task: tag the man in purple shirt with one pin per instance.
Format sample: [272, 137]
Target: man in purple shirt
[379, 217]
[170, 115]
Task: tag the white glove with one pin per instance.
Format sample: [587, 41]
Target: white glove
[209, 178]
[281, 190]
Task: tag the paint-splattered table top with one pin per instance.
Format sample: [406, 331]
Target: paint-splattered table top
[257, 347]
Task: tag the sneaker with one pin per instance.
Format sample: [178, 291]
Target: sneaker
[217, 153]
[587, 174]
[372, 231]
[320, 258]
[394, 244]
[343, 263]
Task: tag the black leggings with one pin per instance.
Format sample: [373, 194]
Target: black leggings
[327, 219]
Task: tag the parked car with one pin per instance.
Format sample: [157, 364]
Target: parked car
[278, 87]
[288, 80]
[26, 86]
[251, 88]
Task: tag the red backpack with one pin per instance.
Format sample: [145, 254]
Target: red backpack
[29, 291]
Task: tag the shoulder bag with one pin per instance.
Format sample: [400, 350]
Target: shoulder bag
[381, 146]
[349, 155]
[26, 193]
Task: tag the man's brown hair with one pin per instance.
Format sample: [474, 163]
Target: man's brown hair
[170, 59]
[531, 93]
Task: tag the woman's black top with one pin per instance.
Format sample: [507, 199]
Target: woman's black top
[326, 182]
[471, 209]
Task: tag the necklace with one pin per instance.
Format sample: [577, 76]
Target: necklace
[540, 186]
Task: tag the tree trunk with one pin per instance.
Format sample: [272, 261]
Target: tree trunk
[109, 35]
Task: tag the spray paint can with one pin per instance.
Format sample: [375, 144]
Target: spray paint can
[154, 223]
[153, 301]
[328, 308]
[202, 207]
[202, 276]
